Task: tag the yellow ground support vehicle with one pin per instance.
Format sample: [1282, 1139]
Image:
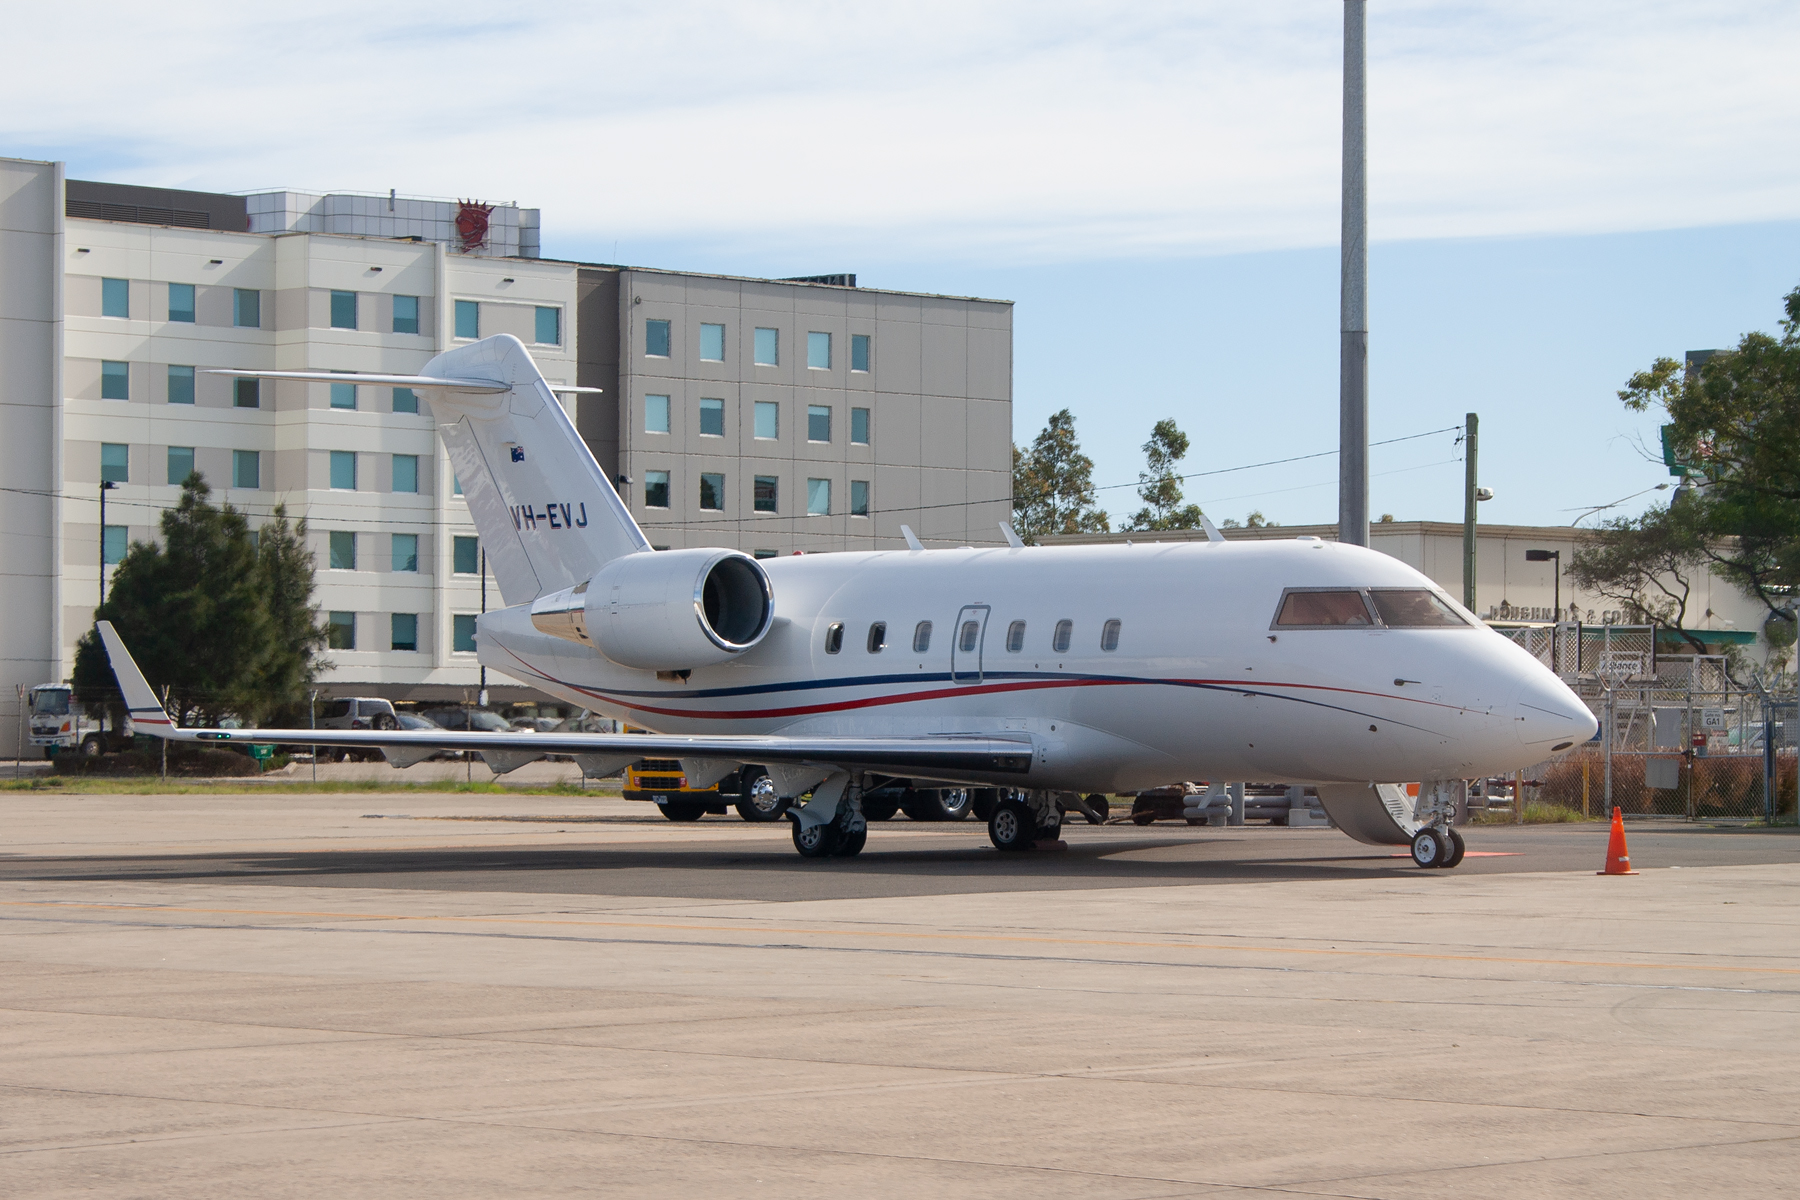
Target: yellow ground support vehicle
[660, 781]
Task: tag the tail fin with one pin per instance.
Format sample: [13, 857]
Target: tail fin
[548, 516]
[147, 713]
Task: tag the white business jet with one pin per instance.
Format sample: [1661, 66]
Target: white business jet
[1047, 672]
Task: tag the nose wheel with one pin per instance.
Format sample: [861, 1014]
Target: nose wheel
[1433, 846]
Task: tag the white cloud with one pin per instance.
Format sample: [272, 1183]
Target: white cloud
[1003, 131]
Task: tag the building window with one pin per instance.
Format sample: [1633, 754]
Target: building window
[1065, 631]
[115, 463]
[403, 631]
[818, 497]
[768, 347]
[1109, 636]
[181, 385]
[468, 319]
[921, 637]
[656, 489]
[712, 343]
[406, 314]
[455, 484]
[343, 395]
[859, 426]
[656, 339]
[818, 351]
[549, 326]
[818, 422]
[877, 637]
[465, 555]
[406, 552]
[462, 633]
[340, 631]
[764, 554]
[246, 308]
[343, 310]
[768, 418]
[343, 470]
[406, 473]
[246, 393]
[712, 418]
[859, 352]
[1015, 637]
[406, 400]
[859, 497]
[115, 297]
[246, 469]
[181, 464]
[712, 492]
[343, 550]
[656, 414]
[766, 493]
[181, 302]
[114, 540]
[115, 381]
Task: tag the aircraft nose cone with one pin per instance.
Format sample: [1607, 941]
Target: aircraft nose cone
[1548, 716]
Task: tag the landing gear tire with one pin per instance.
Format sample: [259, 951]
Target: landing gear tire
[1013, 826]
[678, 810]
[1458, 848]
[1102, 810]
[851, 844]
[880, 810]
[1429, 848]
[757, 800]
[815, 841]
[982, 802]
[1050, 833]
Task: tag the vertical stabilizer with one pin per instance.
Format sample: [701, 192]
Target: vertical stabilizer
[548, 516]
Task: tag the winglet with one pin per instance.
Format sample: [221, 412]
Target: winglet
[1012, 539]
[912, 539]
[146, 711]
[1212, 531]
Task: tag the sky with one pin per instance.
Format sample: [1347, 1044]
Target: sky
[1557, 193]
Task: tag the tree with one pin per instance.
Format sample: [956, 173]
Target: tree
[1053, 484]
[1160, 485]
[1734, 427]
[1255, 520]
[224, 620]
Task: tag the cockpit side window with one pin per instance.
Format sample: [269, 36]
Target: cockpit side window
[1322, 609]
[1414, 608]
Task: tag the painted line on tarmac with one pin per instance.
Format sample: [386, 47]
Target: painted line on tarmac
[760, 930]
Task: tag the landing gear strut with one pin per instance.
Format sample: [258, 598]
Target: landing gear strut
[1438, 844]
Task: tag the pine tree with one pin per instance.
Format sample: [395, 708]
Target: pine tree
[1053, 484]
[1160, 485]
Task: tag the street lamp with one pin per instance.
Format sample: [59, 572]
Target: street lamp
[1547, 556]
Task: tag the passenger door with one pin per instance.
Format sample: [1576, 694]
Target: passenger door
[966, 642]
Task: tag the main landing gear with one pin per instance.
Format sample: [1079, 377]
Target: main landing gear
[841, 834]
[1023, 819]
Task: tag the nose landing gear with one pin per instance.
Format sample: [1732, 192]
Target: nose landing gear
[1438, 844]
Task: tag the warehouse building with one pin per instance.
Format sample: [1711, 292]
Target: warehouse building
[767, 415]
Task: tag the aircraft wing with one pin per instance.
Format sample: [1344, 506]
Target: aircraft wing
[934, 755]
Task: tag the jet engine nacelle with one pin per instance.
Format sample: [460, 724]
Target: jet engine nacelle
[665, 610]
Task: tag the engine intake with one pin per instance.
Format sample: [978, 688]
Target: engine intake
[667, 610]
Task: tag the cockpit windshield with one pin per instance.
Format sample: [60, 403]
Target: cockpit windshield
[51, 702]
[1413, 608]
[1323, 609]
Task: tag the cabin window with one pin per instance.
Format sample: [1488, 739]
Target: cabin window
[1109, 635]
[1015, 637]
[1323, 610]
[1414, 608]
[921, 637]
[1065, 632]
[834, 637]
[971, 633]
[878, 637]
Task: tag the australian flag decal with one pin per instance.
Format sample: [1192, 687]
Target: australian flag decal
[518, 453]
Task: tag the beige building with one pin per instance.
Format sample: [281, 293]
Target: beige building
[768, 415]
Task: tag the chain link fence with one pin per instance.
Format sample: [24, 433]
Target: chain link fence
[1679, 735]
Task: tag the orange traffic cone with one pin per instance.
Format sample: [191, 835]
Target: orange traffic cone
[1618, 859]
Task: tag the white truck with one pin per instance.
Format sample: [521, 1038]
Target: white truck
[58, 724]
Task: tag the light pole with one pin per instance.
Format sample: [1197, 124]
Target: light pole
[1550, 556]
[1353, 325]
[106, 485]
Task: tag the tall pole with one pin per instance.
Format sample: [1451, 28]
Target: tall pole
[1353, 346]
[1470, 475]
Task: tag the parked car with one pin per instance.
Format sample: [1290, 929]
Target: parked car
[355, 712]
[474, 720]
